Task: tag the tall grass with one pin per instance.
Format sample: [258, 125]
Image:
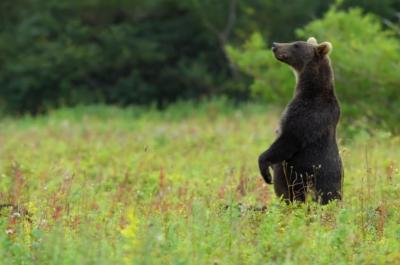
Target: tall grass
[101, 185]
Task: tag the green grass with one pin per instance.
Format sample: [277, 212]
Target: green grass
[110, 186]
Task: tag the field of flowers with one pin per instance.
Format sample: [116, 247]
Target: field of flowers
[101, 185]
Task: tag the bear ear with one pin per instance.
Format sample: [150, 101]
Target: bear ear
[312, 41]
[324, 48]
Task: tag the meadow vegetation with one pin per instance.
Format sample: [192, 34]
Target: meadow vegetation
[175, 182]
[102, 185]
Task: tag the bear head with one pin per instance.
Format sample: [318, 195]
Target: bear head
[299, 53]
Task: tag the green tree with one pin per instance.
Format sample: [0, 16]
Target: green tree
[383, 8]
[119, 52]
[55, 53]
[365, 57]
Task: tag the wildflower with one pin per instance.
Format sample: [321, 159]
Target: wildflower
[130, 231]
[16, 215]
[130, 235]
[31, 207]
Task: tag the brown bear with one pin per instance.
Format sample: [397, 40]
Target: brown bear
[305, 157]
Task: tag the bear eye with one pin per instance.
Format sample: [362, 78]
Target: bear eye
[296, 45]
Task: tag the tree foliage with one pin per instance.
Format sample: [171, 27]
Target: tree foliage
[62, 53]
[55, 53]
[70, 52]
[365, 58]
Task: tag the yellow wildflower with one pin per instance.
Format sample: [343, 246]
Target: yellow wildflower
[130, 234]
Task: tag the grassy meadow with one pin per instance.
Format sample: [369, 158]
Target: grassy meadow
[101, 185]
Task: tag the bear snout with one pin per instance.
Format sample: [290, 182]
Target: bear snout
[281, 56]
[274, 46]
[280, 52]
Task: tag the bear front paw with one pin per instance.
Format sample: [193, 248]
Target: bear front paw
[267, 176]
[264, 170]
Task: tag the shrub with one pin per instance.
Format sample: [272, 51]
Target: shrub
[365, 58]
[272, 79]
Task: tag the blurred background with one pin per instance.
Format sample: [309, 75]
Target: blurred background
[155, 52]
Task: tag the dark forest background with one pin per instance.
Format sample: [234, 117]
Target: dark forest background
[134, 52]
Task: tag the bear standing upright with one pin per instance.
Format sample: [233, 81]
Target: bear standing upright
[305, 156]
